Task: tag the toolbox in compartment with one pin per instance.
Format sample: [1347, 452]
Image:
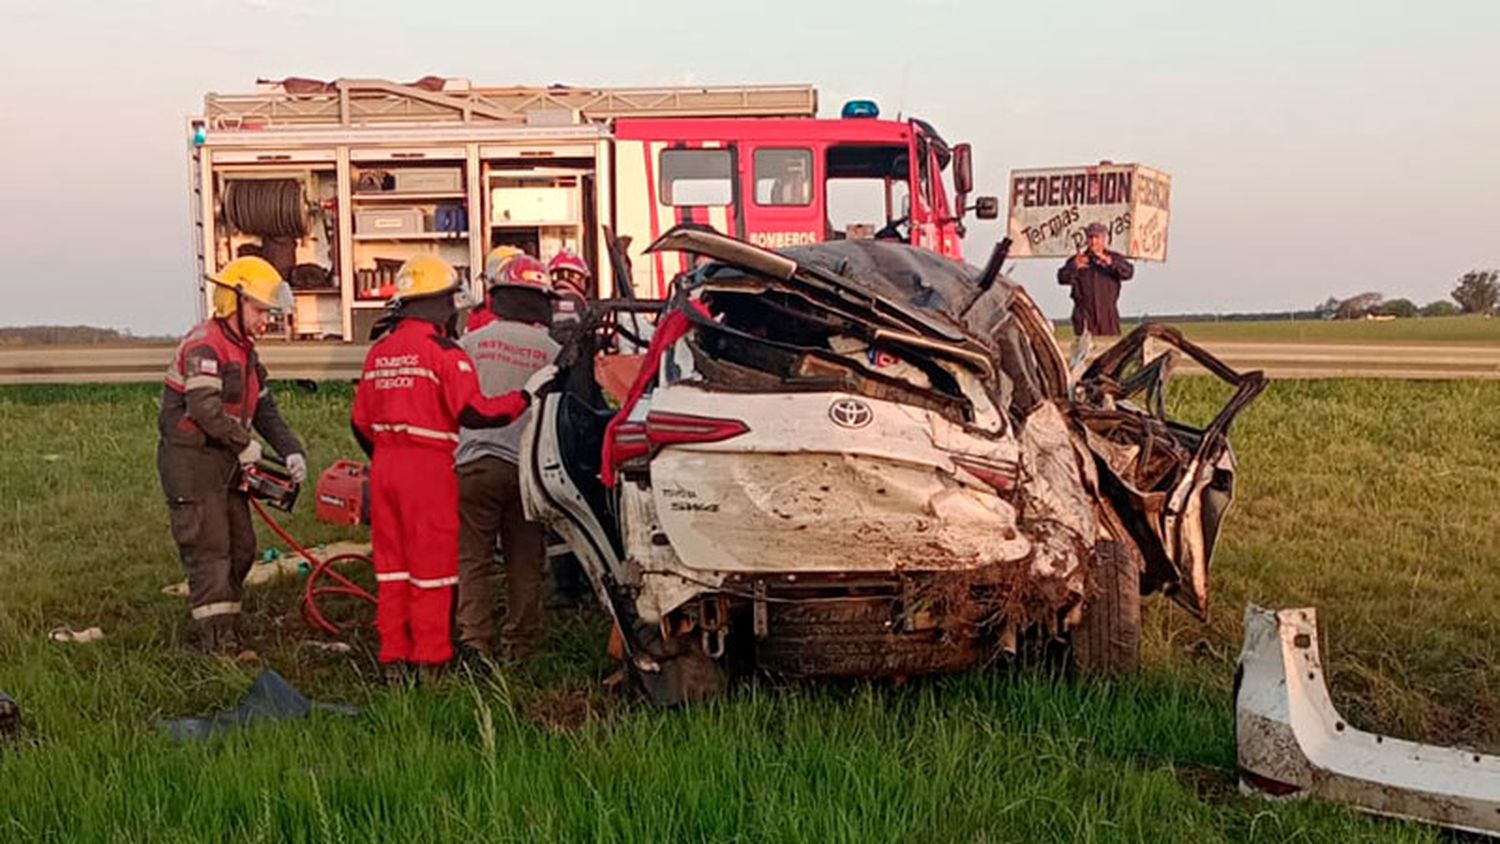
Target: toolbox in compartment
[427, 179]
[392, 221]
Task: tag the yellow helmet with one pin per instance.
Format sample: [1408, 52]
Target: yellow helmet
[252, 278]
[497, 259]
[424, 275]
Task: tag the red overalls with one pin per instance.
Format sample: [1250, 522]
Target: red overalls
[416, 386]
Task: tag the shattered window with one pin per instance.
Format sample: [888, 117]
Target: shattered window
[783, 177]
[696, 177]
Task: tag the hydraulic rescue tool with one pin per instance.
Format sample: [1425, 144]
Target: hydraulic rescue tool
[343, 498]
[269, 481]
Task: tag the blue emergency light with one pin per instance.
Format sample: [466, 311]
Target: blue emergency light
[860, 108]
[200, 135]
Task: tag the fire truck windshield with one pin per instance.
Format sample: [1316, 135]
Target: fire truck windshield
[868, 188]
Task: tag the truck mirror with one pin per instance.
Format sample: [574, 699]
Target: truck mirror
[986, 207]
[963, 169]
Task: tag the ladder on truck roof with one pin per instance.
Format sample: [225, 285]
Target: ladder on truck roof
[363, 102]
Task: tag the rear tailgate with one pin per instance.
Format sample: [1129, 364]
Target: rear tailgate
[770, 482]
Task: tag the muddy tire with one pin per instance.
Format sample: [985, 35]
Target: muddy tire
[1107, 641]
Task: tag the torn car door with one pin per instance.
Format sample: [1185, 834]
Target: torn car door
[1171, 484]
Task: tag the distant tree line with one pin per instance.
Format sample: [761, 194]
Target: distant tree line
[69, 335]
[1477, 292]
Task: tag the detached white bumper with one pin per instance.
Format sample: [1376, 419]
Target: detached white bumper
[1293, 743]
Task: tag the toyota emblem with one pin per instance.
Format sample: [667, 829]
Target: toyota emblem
[850, 413]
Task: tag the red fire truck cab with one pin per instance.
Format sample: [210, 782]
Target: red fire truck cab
[779, 182]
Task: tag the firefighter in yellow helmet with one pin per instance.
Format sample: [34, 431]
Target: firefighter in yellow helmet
[215, 400]
[494, 263]
[417, 389]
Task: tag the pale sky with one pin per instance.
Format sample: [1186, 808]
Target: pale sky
[1317, 148]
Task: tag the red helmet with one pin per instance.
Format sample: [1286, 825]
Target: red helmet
[526, 272]
[570, 271]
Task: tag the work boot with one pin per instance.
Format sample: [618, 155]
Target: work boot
[516, 651]
[215, 638]
[229, 639]
[428, 673]
[475, 660]
[398, 676]
[227, 642]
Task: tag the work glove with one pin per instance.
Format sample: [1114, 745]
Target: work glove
[251, 454]
[538, 380]
[296, 466]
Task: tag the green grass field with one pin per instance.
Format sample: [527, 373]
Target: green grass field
[1469, 330]
[1373, 500]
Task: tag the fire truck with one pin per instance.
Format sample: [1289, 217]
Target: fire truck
[337, 183]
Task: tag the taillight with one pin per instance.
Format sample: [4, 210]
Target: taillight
[668, 428]
[1001, 476]
[630, 441]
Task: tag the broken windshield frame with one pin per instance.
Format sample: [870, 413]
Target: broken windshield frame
[765, 262]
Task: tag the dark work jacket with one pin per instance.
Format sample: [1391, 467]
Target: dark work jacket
[1096, 293]
[216, 392]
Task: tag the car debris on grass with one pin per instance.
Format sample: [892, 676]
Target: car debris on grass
[1292, 742]
[78, 637]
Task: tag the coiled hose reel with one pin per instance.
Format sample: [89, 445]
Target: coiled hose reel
[266, 207]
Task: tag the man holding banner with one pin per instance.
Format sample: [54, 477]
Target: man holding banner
[1095, 274]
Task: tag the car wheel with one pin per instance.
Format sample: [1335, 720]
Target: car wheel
[1107, 640]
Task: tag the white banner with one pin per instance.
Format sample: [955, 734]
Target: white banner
[1050, 207]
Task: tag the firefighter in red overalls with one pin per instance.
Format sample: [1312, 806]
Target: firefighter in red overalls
[418, 387]
[214, 401]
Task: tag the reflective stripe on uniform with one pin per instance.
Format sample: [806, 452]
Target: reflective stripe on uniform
[199, 382]
[214, 609]
[397, 576]
[403, 428]
[207, 356]
[421, 371]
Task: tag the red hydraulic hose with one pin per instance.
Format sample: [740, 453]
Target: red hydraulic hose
[321, 568]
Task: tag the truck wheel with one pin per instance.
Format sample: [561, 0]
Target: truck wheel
[1108, 639]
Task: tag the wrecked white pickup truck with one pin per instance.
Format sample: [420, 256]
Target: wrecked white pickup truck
[860, 458]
